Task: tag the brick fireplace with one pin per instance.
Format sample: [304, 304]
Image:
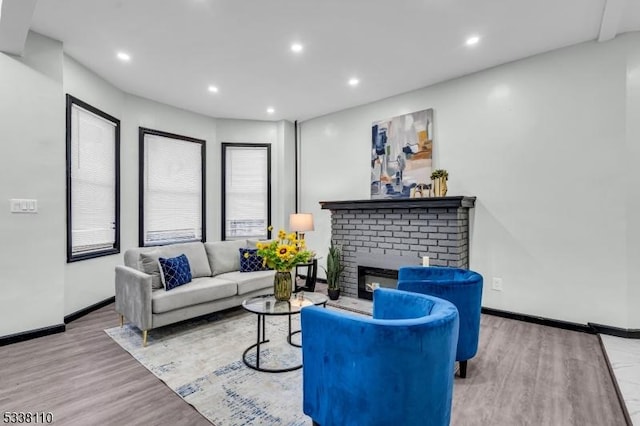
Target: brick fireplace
[389, 233]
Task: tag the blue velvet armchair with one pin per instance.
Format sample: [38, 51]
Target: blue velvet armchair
[461, 287]
[393, 369]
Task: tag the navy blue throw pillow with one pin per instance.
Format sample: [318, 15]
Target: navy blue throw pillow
[175, 271]
[250, 261]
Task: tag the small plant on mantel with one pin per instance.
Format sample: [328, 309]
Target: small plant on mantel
[440, 173]
[439, 178]
[334, 270]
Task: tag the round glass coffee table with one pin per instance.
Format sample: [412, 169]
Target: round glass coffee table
[264, 306]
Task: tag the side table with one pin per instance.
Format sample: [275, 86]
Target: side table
[310, 276]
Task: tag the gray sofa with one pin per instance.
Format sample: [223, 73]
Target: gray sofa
[217, 283]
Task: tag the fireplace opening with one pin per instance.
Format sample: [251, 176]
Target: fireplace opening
[369, 278]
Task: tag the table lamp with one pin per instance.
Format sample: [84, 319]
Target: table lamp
[300, 223]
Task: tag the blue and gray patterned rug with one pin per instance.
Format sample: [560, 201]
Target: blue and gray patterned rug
[201, 361]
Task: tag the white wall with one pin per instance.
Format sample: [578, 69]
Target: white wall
[633, 180]
[39, 287]
[90, 281]
[32, 165]
[285, 186]
[542, 143]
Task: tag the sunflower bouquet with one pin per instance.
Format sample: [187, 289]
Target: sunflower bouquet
[285, 252]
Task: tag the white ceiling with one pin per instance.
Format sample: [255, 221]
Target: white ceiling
[180, 47]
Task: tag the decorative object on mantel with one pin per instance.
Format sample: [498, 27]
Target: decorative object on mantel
[333, 270]
[283, 254]
[421, 190]
[439, 178]
[401, 151]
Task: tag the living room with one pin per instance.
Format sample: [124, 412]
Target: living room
[543, 134]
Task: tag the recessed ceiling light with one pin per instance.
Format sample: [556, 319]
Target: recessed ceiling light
[124, 56]
[296, 47]
[353, 81]
[472, 41]
[270, 110]
[213, 89]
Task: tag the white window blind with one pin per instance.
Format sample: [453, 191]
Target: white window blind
[93, 183]
[246, 192]
[172, 190]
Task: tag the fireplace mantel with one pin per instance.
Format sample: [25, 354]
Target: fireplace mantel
[401, 203]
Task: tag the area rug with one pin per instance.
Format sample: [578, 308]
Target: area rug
[201, 360]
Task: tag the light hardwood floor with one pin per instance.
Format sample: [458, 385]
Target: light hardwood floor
[529, 374]
[524, 374]
[84, 378]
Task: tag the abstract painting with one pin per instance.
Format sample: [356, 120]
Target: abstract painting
[401, 150]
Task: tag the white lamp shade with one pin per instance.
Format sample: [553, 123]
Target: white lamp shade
[301, 222]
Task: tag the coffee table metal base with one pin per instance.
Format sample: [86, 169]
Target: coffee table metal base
[261, 339]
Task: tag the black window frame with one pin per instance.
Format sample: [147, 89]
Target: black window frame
[70, 101]
[142, 131]
[223, 168]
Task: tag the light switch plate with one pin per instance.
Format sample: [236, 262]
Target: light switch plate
[23, 205]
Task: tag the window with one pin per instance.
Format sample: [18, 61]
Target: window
[246, 191]
[93, 182]
[172, 188]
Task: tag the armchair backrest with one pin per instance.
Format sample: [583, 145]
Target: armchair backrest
[394, 368]
[402, 305]
[461, 287]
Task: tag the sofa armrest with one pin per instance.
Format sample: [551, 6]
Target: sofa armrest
[133, 296]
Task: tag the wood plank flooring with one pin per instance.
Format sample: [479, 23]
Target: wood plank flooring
[528, 374]
[84, 378]
[524, 374]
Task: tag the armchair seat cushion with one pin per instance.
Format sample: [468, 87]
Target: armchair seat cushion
[200, 290]
[250, 281]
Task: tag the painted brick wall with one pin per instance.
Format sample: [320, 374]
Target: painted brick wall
[440, 233]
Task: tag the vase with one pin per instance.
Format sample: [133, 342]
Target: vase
[439, 187]
[282, 285]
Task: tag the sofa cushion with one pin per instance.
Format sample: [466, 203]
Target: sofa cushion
[250, 281]
[250, 261]
[194, 251]
[223, 255]
[200, 290]
[175, 271]
[149, 265]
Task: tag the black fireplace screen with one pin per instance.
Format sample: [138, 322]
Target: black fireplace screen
[369, 278]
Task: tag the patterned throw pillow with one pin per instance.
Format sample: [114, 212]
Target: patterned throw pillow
[175, 271]
[250, 261]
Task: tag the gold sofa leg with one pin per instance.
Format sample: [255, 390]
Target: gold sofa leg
[144, 338]
[121, 320]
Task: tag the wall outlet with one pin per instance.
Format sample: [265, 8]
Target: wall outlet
[496, 284]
